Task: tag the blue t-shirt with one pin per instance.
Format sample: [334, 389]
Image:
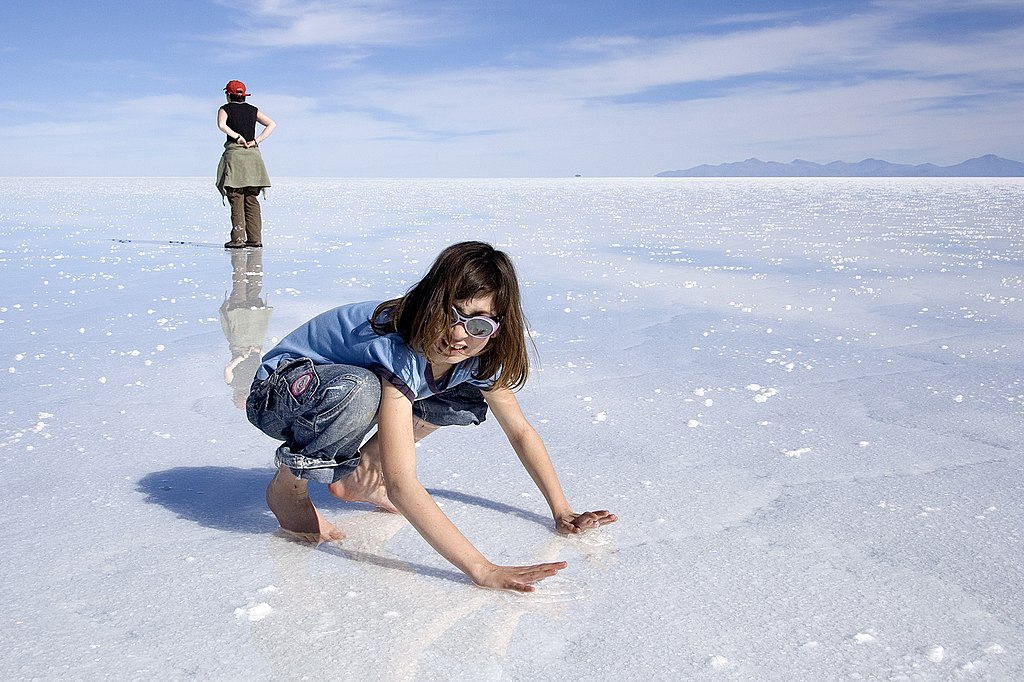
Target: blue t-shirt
[343, 336]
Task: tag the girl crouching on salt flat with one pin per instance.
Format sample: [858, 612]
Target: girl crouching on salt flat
[441, 355]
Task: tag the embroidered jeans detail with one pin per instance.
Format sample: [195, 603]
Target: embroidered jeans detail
[322, 413]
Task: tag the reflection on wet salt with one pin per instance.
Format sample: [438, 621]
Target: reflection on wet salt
[804, 399]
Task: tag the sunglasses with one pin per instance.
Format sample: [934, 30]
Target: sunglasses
[478, 326]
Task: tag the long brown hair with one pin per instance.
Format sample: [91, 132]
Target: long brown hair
[462, 271]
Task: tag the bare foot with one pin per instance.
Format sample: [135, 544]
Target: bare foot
[288, 498]
[365, 484]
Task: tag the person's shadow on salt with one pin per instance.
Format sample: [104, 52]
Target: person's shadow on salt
[484, 503]
[226, 498]
[233, 499]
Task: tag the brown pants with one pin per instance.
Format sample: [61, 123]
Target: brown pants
[246, 220]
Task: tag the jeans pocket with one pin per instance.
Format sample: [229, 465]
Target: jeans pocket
[295, 383]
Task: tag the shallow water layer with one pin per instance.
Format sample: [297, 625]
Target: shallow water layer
[804, 399]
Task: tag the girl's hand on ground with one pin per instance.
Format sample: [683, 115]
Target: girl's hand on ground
[517, 578]
[577, 523]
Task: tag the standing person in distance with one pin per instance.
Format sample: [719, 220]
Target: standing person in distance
[441, 355]
[241, 175]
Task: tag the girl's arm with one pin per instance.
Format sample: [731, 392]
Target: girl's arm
[398, 463]
[268, 128]
[531, 451]
[222, 123]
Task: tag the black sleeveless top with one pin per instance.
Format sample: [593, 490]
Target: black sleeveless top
[241, 119]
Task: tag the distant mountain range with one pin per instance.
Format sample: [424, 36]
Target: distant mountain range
[987, 166]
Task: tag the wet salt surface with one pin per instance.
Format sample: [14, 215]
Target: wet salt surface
[803, 398]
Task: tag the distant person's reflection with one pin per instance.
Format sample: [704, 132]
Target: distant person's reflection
[244, 317]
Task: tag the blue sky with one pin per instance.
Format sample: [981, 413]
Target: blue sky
[478, 88]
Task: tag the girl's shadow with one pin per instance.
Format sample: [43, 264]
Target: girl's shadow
[226, 498]
[233, 499]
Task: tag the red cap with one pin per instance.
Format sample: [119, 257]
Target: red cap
[236, 88]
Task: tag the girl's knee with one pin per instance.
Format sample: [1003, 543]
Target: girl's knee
[365, 390]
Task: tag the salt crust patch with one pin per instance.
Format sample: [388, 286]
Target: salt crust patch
[257, 611]
[254, 613]
[761, 394]
[719, 663]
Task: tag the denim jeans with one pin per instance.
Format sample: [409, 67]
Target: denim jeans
[324, 412]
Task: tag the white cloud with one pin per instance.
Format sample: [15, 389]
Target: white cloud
[293, 23]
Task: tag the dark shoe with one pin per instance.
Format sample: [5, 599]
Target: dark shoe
[234, 245]
[254, 245]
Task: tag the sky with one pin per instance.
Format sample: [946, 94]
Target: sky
[471, 88]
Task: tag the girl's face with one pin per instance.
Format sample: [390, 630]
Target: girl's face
[459, 345]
